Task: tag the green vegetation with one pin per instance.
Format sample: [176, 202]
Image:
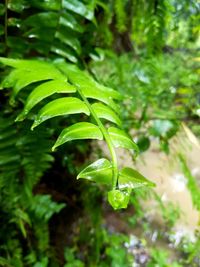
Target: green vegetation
[125, 73]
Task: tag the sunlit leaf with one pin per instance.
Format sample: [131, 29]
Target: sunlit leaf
[28, 64]
[101, 96]
[80, 130]
[105, 112]
[60, 106]
[79, 8]
[44, 90]
[27, 72]
[84, 81]
[130, 178]
[121, 139]
[99, 171]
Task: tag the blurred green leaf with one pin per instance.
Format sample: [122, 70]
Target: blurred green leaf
[121, 139]
[130, 178]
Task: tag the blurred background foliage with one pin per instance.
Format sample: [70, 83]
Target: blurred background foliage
[149, 52]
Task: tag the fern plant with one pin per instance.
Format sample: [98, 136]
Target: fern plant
[48, 28]
[23, 213]
[63, 78]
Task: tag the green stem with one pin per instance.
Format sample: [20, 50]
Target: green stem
[107, 138]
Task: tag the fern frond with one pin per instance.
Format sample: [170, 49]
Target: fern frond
[67, 79]
[19, 158]
[24, 157]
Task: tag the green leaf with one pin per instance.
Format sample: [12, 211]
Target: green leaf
[16, 5]
[11, 79]
[105, 112]
[109, 91]
[130, 178]
[84, 81]
[44, 90]
[81, 130]
[5, 159]
[119, 199]
[43, 19]
[99, 95]
[69, 21]
[17, 45]
[99, 171]
[66, 52]
[47, 5]
[68, 39]
[121, 139]
[44, 34]
[7, 143]
[59, 107]
[29, 65]
[44, 207]
[79, 8]
[27, 72]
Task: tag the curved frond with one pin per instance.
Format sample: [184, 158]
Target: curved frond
[77, 89]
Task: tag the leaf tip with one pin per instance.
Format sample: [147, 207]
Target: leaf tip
[152, 184]
[20, 117]
[32, 127]
[53, 148]
[35, 124]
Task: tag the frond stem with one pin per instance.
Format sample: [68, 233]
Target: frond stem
[107, 139]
